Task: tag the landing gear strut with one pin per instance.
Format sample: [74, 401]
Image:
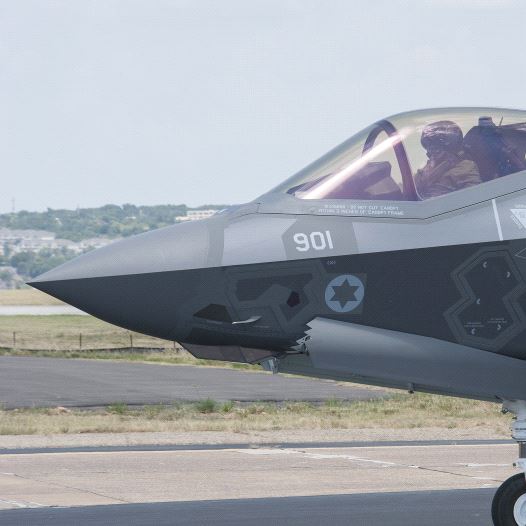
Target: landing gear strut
[509, 503]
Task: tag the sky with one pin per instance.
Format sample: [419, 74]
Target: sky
[200, 101]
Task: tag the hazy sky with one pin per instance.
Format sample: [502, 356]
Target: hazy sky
[197, 101]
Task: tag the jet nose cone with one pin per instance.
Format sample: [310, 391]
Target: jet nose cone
[126, 283]
[176, 247]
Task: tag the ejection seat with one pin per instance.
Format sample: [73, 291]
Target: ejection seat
[496, 150]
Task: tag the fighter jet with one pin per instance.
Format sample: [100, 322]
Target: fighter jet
[397, 259]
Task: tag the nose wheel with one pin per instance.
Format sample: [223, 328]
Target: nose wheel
[509, 503]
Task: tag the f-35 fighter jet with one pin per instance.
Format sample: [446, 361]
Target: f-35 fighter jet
[397, 259]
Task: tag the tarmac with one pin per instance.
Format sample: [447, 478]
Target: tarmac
[50, 382]
[270, 478]
[432, 508]
[373, 483]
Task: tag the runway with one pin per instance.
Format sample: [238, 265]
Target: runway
[432, 508]
[370, 483]
[50, 382]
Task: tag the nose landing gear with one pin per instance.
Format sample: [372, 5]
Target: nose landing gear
[509, 503]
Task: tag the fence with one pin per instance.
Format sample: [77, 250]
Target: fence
[85, 340]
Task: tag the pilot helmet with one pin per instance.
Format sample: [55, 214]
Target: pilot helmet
[442, 136]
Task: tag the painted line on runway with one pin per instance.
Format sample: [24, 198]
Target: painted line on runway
[471, 465]
[315, 456]
[22, 503]
[353, 458]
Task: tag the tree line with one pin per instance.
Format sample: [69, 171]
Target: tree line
[105, 221]
[109, 221]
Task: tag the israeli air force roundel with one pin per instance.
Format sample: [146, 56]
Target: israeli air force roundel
[344, 293]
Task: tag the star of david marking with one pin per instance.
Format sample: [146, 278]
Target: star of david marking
[344, 293]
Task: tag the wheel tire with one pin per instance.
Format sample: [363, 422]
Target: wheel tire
[503, 505]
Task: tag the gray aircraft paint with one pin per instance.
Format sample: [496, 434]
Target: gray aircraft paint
[469, 299]
[247, 238]
[366, 354]
[476, 224]
[171, 248]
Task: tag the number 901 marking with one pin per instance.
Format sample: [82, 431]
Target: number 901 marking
[314, 241]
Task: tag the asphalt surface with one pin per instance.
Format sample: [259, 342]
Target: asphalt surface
[432, 508]
[50, 382]
[243, 445]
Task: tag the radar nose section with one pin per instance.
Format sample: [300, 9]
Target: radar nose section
[176, 247]
[121, 282]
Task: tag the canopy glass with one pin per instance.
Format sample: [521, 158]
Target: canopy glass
[418, 155]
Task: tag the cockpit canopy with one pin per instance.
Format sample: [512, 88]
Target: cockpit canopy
[417, 155]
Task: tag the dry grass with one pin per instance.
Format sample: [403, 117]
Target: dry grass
[161, 356]
[399, 412]
[27, 296]
[64, 333]
[60, 337]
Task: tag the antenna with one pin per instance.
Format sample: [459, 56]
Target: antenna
[13, 208]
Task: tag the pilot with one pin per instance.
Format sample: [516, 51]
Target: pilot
[447, 169]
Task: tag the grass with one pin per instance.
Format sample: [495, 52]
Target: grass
[161, 356]
[401, 411]
[59, 337]
[27, 296]
[118, 408]
[206, 406]
[69, 332]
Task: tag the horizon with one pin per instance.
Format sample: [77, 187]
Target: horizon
[49, 209]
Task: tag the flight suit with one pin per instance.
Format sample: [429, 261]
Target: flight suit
[448, 174]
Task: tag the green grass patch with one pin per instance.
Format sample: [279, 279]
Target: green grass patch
[207, 406]
[119, 408]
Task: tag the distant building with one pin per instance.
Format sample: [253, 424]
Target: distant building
[93, 243]
[195, 215]
[16, 241]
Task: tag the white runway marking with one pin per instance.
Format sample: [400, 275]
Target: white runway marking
[382, 463]
[22, 504]
[315, 456]
[483, 465]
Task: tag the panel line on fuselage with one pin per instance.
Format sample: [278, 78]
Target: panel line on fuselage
[497, 219]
